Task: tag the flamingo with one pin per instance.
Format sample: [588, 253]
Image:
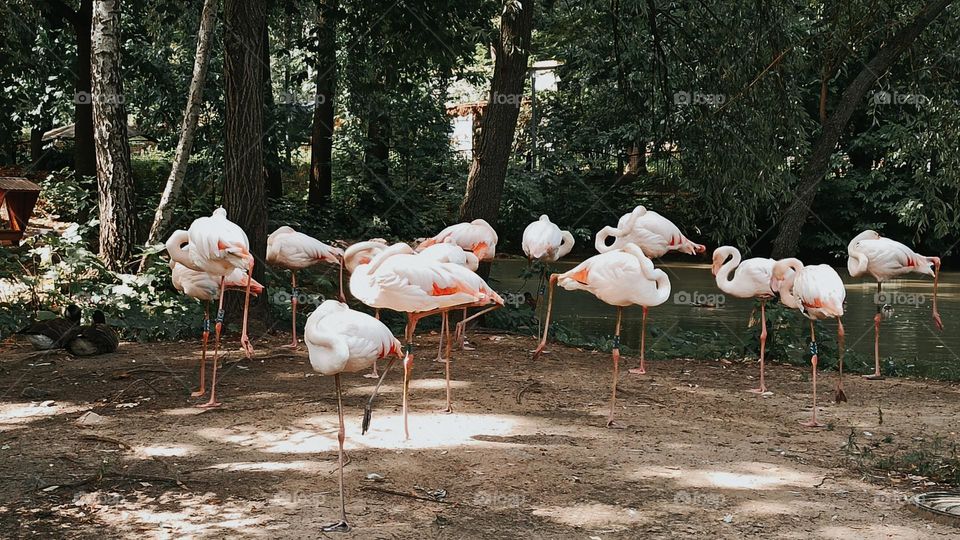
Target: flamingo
[818, 292]
[477, 236]
[217, 246]
[362, 253]
[621, 277]
[399, 279]
[205, 287]
[544, 241]
[449, 252]
[750, 280]
[292, 250]
[341, 340]
[884, 259]
[655, 234]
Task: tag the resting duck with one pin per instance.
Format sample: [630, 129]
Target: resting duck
[93, 339]
[49, 334]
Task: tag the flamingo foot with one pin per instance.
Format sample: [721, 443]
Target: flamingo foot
[938, 322]
[762, 390]
[874, 377]
[371, 376]
[537, 352]
[840, 397]
[247, 346]
[439, 359]
[613, 425]
[209, 405]
[637, 371]
[198, 393]
[339, 527]
[292, 346]
[812, 424]
[448, 409]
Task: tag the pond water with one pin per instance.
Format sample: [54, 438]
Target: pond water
[907, 331]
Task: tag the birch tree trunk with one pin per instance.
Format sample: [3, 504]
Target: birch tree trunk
[114, 177]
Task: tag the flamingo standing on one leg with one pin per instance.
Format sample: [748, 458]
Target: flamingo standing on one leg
[399, 279]
[884, 259]
[205, 287]
[449, 252]
[655, 234]
[818, 292]
[362, 253]
[544, 241]
[340, 340]
[751, 280]
[217, 246]
[621, 277]
[294, 251]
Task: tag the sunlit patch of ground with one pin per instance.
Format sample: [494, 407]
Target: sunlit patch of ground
[593, 516]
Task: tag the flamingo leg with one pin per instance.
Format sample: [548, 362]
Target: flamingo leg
[374, 374]
[812, 423]
[443, 326]
[541, 289]
[368, 410]
[841, 342]
[294, 300]
[342, 525]
[876, 375]
[203, 351]
[462, 331]
[408, 366]
[616, 366]
[937, 321]
[244, 339]
[462, 325]
[218, 328]
[446, 324]
[546, 323]
[343, 297]
[763, 345]
[643, 345]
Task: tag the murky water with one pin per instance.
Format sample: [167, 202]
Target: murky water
[907, 332]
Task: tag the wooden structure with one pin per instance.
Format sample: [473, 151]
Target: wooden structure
[17, 198]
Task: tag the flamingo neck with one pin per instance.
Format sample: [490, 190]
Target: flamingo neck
[733, 259]
[566, 244]
[177, 253]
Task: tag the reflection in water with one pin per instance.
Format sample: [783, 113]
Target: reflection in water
[907, 332]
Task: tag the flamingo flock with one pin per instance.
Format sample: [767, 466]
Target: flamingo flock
[439, 275]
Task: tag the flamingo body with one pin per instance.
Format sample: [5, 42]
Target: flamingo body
[449, 252]
[295, 250]
[340, 339]
[884, 259]
[619, 278]
[543, 240]
[477, 236]
[655, 234]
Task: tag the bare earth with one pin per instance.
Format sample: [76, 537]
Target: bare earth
[696, 455]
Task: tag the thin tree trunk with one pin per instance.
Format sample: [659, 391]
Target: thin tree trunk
[791, 226]
[271, 162]
[321, 144]
[488, 170]
[244, 187]
[84, 150]
[114, 177]
[191, 114]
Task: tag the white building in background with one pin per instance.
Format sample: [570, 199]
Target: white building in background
[464, 110]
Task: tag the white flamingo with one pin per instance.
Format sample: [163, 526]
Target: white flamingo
[217, 246]
[544, 241]
[885, 259]
[750, 280]
[477, 236]
[341, 340]
[655, 234]
[622, 277]
[292, 250]
[818, 293]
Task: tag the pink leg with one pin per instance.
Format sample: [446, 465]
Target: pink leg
[342, 525]
[841, 343]
[294, 295]
[763, 345]
[446, 324]
[343, 297]
[443, 327]
[643, 346]
[546, 323]
[374, 374]
[203, 353]
[812, 423]
[616, 366]
[876, 375]
[937, 321]
[218, 328]
[244, 339]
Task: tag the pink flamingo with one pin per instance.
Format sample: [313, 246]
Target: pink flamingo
[621, 277]
[205, 287]
[655, 234]
[218, 247]
[292, 250]
[399, 279]
[751, 280]
[884, 259]
[341, 340]
[477, 236]
[544, 241]
[818, 292]
[448, 251]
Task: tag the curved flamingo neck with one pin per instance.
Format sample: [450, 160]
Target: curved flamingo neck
[177, 253]
[732, 258]
[380, 258]
[618, 233]
[566, 245]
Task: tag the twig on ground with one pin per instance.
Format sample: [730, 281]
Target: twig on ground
[407, 495]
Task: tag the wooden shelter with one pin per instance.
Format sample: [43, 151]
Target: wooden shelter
[17, 198]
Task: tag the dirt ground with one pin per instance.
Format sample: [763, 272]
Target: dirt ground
[525, 454]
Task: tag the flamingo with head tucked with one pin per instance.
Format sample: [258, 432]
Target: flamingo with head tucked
[217, 246]
[294, 251]
[205, 287]
[818, 293]
[655, 234]
[750, 280]
[621, 277]
[477, 236]
[884, 259]
[449, 252]
[398, 278]
[544, 241]
[341, 340]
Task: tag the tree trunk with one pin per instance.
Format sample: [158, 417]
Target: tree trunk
[271, 163]
[84, 152]
[791, 226]
[488, 170]
[114, 177]
[376, 154]
[321, 144]
[188, 127]
[244, 188]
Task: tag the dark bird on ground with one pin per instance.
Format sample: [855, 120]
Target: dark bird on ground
[49, 334]
[93, 339]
